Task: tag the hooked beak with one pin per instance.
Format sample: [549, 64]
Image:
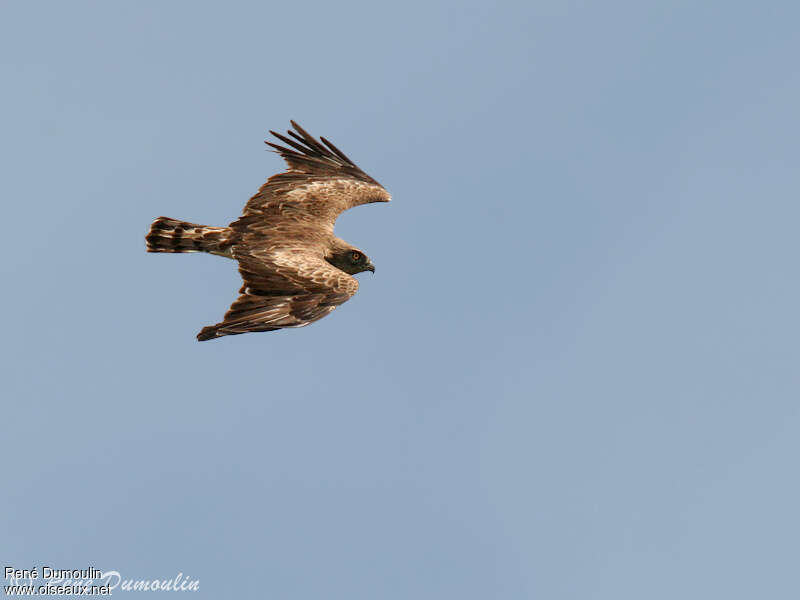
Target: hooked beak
[371, 267]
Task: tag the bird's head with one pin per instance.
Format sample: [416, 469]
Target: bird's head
[351, 260]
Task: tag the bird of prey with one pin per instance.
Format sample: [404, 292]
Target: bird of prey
[295, 270]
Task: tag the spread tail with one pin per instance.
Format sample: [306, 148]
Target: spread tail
[171, 235]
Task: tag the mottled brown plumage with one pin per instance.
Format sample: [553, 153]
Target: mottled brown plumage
[295, 270]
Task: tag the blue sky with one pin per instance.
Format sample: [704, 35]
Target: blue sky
[573, 375]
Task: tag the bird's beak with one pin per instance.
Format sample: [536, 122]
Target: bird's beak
[371, 267]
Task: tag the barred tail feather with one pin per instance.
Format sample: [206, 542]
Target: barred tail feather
[171, 235]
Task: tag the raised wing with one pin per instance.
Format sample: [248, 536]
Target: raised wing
[320, 183]
[286, 287]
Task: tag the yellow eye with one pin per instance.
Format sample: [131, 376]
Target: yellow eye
[356, 256]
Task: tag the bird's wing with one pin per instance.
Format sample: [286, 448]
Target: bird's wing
[320, 183]
[283, 287]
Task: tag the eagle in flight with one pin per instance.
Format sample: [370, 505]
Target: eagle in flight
[295, 270]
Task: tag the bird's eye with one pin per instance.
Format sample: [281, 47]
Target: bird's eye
[356, 256]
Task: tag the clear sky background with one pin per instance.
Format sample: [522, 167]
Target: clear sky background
[574, 374]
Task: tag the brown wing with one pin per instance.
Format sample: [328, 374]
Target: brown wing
[283, 287]
[320, 183]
